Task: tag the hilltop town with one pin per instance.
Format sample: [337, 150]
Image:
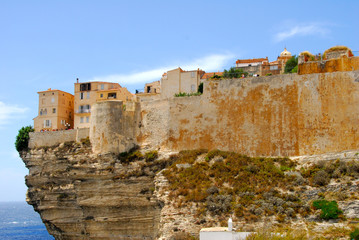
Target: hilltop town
[196, 148]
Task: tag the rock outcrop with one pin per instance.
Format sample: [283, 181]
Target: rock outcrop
[80, 195]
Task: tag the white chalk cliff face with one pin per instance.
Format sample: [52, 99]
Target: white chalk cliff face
[80, 195]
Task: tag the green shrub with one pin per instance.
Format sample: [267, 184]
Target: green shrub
[330, 210]
[200, 88]
[321, 178]
[22, 138]
[354, 235]
[151, 156]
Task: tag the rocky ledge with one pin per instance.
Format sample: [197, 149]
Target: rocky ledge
[80, 195]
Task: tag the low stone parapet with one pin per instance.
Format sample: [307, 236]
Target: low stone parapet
[52, 138]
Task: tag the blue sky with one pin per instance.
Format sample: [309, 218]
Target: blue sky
[48, 44]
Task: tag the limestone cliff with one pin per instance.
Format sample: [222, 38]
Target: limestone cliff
[80, 195]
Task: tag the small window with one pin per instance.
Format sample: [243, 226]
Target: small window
[81, 95]
[193, 88]
[41, 112]
[102, 86]
[43, 94]
[54, 110]
[193, 74]
[101, 95]
[53, 93]
[43, 101]
[88, 95]
[87, 119]
[45, 111]
[52, 100]
[81, 119]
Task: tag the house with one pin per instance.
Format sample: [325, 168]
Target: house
[177, 80]
[262, 67]
[88, 93]
[252, 66]
[153, 87]
[56, 111]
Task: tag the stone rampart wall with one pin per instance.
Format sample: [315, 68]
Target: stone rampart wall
[285, 115]
[343, 63]
[43, 139]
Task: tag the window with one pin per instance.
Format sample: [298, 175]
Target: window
[52, 100]
[53, 93]
[63, 122]
[54, 110]
[193, 88]
[45, 111]
[87, 119]
[81, 119]
[193, 74]
[102, 86]
[47, 123]
[41, 112]
[88, 95]
[81, 95]
[111, 95]
[85, 87]
[43, 101]
[273, 67]
[101, 95]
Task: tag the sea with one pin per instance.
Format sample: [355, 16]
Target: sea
[19, 221]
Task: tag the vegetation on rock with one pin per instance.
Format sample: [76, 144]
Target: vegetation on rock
[330, 209]
[22, 138]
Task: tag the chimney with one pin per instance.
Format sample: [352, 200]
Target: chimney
[77, 80]
[230, 225]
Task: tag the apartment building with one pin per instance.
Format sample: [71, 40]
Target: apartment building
[56, 111]
[88, 93]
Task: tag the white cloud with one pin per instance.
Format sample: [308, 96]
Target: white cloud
[9, 112]
[302, 30]
[209, 63]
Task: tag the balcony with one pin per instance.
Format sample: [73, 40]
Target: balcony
[83, 111]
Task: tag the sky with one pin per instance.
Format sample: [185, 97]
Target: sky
[48, 44]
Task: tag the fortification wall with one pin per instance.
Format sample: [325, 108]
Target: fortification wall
[41, 139]
[343, 63]
[112, 128]
[285, 115]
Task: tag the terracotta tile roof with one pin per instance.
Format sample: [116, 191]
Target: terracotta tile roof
[253, 60]
[211, 74]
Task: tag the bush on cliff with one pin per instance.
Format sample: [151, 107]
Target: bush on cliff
[22, 138]
[330, 210]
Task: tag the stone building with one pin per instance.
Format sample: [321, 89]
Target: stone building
[56, 111]
[88, 93]
[262, 67]
[252, 66]
[153, 87]
[177, 80]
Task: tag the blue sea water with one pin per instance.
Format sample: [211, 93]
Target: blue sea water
[19, 221]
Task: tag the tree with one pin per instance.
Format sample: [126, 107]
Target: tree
[291, 64]
[234, 73]
[200, 88]
[22, 138]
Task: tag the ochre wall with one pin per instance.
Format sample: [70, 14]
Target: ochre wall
[343, 63]
[283, 115]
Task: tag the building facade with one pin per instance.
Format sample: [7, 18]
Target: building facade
[262, 67]
[179, 81]
[88, 93]
[56, 111]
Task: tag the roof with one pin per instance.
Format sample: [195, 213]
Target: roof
[53, 90]
[253, 60]
[211, 74]
[215, 229]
